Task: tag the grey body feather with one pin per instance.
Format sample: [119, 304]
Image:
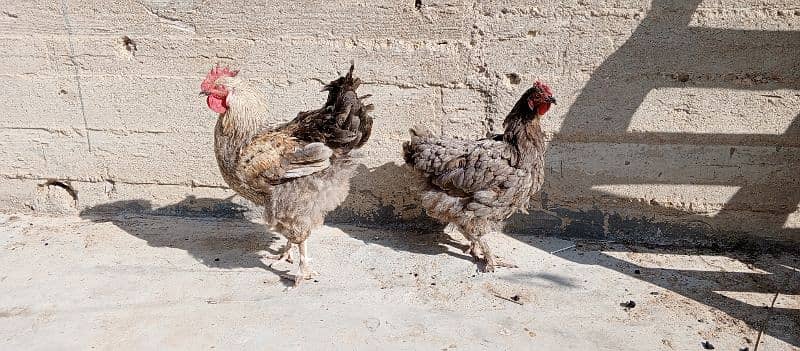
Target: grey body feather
[476, 184]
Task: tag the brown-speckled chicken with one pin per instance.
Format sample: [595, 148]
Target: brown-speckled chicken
[300, 170]
[475, 185]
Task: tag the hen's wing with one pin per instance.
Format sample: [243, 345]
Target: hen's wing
[275, 157]
[464, 168]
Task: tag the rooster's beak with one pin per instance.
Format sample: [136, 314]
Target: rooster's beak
[551, 100]
[204, 93]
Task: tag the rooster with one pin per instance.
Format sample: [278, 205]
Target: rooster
[475, 185]
[300, 170]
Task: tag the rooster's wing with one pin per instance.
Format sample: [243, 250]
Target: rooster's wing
[273, 158]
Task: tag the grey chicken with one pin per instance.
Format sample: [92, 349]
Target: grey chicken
[300, 170]
[475, 185]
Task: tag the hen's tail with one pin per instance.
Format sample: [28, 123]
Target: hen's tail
[352, 123]
[416, 132]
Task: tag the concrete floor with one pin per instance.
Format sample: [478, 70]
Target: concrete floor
[142, 282]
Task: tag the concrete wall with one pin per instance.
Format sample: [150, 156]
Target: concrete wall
[677, 120]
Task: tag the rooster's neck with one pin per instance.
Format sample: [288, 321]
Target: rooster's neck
[246, 114]
[241, 127]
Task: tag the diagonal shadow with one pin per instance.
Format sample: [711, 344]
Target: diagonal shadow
[778, 275]
[665, 52]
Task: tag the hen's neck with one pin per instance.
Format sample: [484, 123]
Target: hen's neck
[524, 132]
[526, 138]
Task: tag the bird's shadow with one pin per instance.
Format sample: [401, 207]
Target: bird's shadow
[227, 240]
[420, 235]
[433, 241]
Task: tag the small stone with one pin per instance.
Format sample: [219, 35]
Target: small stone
[216, 260]
[707, 345]
[637, 271]
[515, 298]
[372, 324]
[629, 304]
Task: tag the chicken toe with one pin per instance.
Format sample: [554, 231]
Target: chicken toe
[473, 251]
[285, 254]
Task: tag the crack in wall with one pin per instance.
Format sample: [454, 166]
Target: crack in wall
[68, 28]
[190, 184]
[173, 22]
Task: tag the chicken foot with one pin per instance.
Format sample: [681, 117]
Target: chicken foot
[473, 250]
[490, 261]
[284, 255]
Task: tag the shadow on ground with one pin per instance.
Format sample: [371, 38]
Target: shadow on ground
[767, 287]
[230, 240]
[413, 231]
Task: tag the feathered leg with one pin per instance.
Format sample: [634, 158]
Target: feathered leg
[473, 249]
[285, 253]
[305, 272]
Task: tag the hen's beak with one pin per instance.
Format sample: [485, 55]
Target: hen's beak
[205, 93]
[550, 100]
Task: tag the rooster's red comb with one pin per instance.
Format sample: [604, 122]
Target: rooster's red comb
[543, 87]
[215, 74]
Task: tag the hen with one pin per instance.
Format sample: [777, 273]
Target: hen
[475, 185]
[299, 170]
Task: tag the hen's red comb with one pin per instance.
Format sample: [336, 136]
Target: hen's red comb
[543, 87]
[216, 73]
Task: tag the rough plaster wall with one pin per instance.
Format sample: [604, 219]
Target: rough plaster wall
[676, 120]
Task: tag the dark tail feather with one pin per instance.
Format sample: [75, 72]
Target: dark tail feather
[349, 81]
[349, 76]
[417, 131]
[353, 124]
[408, 152]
